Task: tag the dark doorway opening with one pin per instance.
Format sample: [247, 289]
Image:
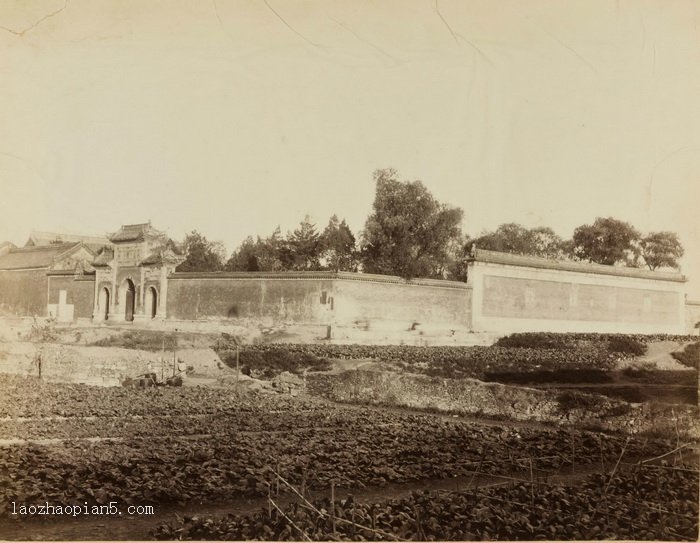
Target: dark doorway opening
[130, 300]
[154, 301]
[105, 302]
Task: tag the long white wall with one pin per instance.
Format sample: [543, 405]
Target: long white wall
[510, 298]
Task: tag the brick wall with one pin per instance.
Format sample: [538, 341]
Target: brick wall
[23, 293]
[194, 296]
[401, 303]
[79, 293]
[343, 299]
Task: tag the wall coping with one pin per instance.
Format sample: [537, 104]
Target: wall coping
[327, 275]
[90, 276]
[508, 259]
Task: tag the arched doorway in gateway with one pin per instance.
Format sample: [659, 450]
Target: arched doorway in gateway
[129, 300]
[152, 301]
[104, 302]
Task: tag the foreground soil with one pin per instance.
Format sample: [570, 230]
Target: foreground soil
[208, 452]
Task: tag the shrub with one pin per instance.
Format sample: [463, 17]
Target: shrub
[571, 399]
[271, 362]
[43, 331]
[626, 345]
[690, 356]
[535, 340]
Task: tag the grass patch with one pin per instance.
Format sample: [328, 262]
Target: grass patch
[145, 340]
[550, 376]
[660, 377]
[626, 345]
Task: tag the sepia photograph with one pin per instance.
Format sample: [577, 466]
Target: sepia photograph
[349, 270]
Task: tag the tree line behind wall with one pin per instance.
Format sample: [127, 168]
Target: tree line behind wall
[410, 234]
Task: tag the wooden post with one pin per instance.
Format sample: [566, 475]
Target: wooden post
[602, 457]
[269, 501]
[352, 514]
[532, 486]
[238, 366]
[278, 479]
[333, 506]
[573, 454]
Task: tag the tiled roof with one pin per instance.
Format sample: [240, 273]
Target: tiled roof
[162, 256]
[494, 257]
[104, 257]
[37, 239]
[131, 232]
[33, 257]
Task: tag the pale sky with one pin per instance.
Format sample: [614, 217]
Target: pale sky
[231, 117]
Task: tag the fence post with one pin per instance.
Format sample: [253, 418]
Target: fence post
[269, 500]
[532, 486]
[333, 505]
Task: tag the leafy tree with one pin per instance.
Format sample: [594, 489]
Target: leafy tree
[338, 246]
[409, 233]
[547, 243]
[245, 258]
[202, 254]
[515, 238]
[607, 241]
[273, 253]
[304, 246]
[661, 250]
[459, 254]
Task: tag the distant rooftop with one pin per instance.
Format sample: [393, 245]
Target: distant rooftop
[509, 259]
[39, 239]
[42, 256]
[134, 232]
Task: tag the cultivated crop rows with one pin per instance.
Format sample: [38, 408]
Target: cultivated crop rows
[645, 504]
[181, 446]
[31, 398]
[451, 362]
[351, 448]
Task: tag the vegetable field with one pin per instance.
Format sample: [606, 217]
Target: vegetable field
[174, 447]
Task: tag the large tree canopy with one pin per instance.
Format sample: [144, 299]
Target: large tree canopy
[338, 246]
[606, 241]
[304, 247]
[661, 250]
[409, 232]
[202, 254]
[515, 238]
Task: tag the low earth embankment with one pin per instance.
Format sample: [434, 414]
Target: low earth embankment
[600, 381]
